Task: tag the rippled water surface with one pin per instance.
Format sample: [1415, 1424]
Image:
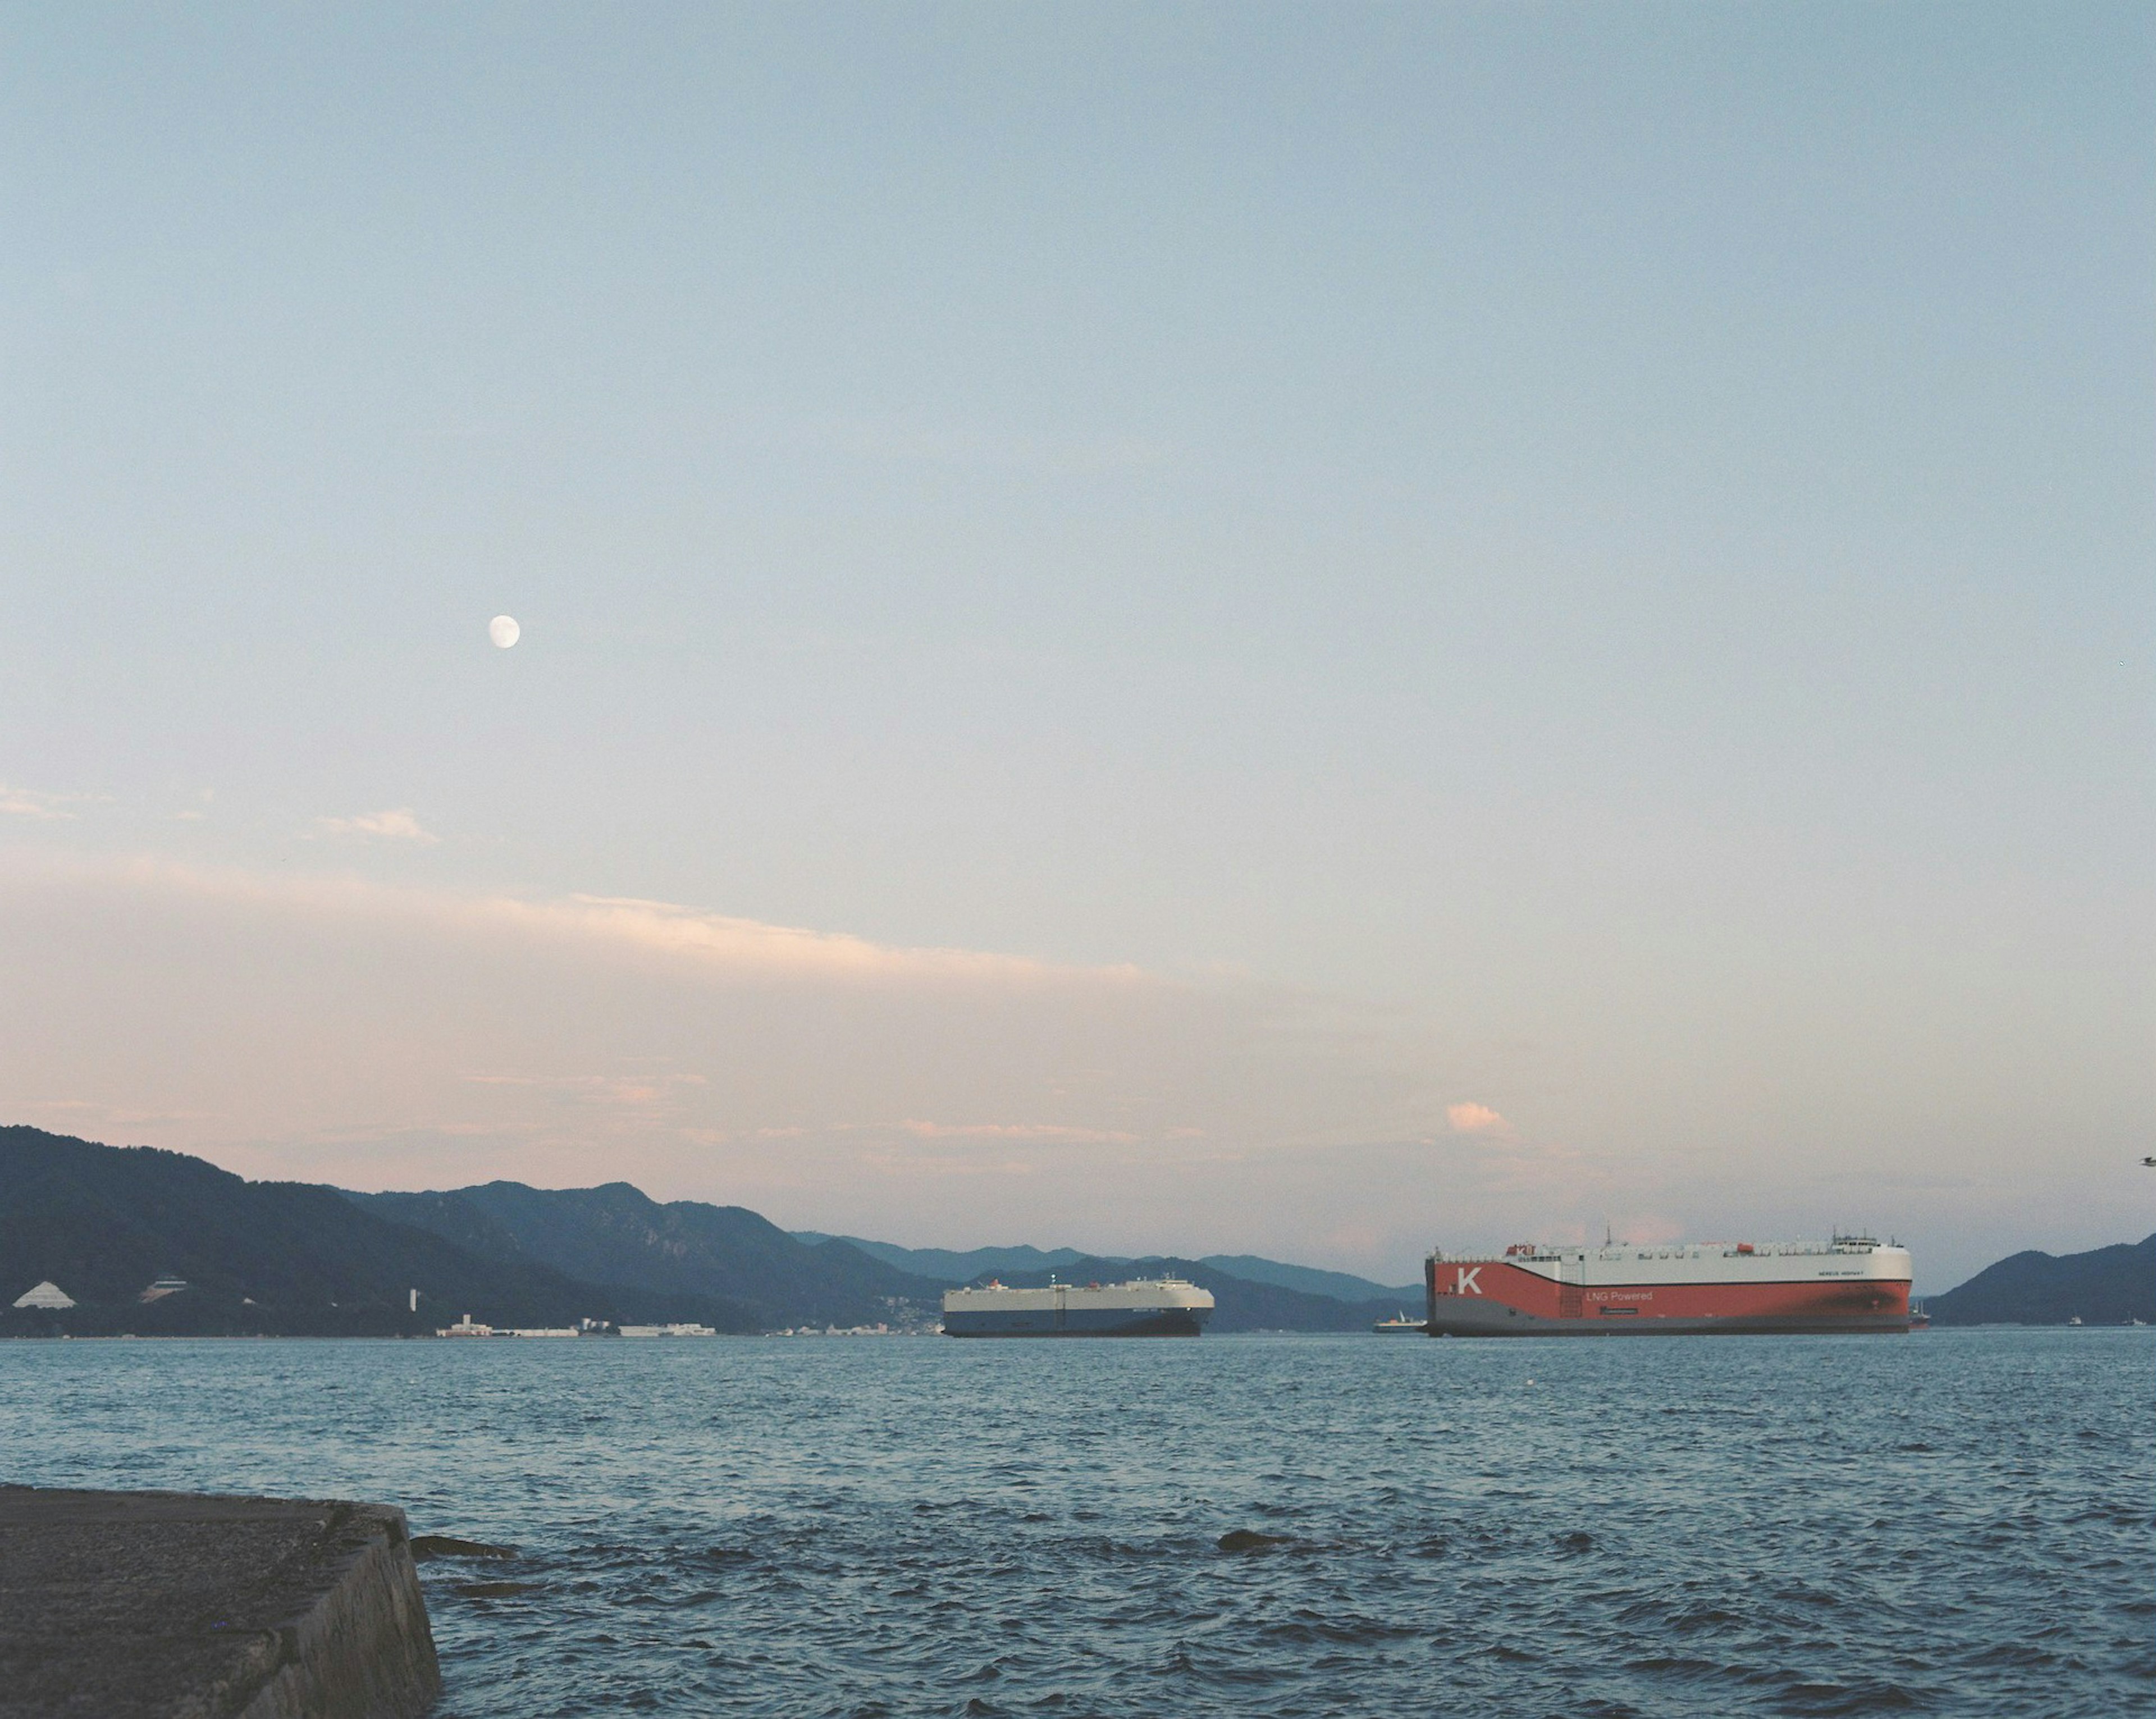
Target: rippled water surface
[1952, 1523]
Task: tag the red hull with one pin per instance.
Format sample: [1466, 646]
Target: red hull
[1489, 1298]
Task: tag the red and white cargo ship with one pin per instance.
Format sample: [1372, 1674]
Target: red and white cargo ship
[1851, 1283]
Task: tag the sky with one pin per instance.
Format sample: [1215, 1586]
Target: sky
[1317, 631]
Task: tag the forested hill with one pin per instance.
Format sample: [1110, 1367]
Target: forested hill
[2104, 1287]
[616, 1235]
[104, 1223]
[946, 1265]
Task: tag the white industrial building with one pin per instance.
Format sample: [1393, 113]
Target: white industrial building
[47, 1293]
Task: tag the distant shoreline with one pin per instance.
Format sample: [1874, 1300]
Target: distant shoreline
[746, 1336]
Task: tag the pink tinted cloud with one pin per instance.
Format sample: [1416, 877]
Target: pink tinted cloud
[1017, 1131]
[399, 824]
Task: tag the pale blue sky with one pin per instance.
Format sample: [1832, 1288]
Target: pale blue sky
[1609, 546]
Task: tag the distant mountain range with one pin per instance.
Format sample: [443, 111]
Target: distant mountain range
[726, 1256]
[941, 1265]
[2105, 1286]
[1341, 1286]
[945, 1266]
[106, 1223]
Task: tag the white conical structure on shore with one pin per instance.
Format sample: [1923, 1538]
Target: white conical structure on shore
[47, 1293]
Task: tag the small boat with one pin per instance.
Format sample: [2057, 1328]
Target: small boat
[1400, 1325]
[2076, 1320]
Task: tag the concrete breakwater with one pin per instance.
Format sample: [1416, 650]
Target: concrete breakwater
[124, 1605]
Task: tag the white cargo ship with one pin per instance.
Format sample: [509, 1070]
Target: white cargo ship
[1145, 1307]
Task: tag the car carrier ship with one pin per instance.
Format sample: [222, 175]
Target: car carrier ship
[1852, 1283]
[1146, 1307]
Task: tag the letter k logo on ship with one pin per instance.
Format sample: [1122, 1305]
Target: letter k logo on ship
[1466, 1283]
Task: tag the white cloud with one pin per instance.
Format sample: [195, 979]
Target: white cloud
[686, 940]
[28, 803]
[332, 1029]
[643, 1090]
[398, 825]
[1051, 1132]
[715, 941]
[326, 1027]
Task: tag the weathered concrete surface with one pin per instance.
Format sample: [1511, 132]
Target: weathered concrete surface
[165, 1605]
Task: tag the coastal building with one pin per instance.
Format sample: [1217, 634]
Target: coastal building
[162, 1287]
[47, 1293]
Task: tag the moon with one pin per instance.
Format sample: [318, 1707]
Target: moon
[504, 631]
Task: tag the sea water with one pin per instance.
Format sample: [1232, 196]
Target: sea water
[1954, 1522]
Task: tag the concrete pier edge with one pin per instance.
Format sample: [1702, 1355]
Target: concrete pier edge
[124, 1605]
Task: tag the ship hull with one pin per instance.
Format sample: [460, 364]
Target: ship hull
[1493, 1300]
[1078, 1322]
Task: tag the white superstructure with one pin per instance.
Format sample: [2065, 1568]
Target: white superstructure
[1144, 1307]
[1845, 1259]
[1140, 1294]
